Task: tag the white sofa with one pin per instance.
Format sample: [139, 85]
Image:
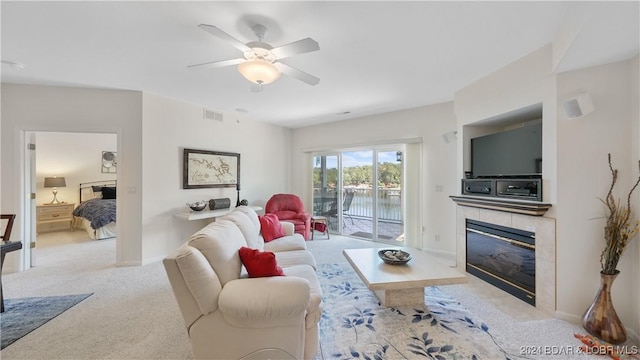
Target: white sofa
[231, 316]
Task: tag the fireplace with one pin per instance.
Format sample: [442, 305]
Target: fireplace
[503, 257]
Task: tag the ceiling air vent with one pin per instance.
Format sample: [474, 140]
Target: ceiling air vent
[212, 115]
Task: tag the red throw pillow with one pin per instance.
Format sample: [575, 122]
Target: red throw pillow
[259, 263]
[270, 227]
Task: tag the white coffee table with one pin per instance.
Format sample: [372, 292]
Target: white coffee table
[398, 285]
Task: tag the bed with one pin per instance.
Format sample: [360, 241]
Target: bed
[97, 210]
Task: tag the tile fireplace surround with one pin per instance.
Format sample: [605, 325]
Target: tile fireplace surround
[545, 230]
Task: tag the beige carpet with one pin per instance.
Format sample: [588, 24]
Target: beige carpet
[133, 315]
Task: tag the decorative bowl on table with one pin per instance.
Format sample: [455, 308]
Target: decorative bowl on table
[198, 205]
[394, 256]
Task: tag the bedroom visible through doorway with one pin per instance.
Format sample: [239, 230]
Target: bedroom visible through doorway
[71, 159]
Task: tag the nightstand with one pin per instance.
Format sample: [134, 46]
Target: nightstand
[54, 217]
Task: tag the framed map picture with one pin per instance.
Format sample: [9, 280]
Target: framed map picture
[210, 169]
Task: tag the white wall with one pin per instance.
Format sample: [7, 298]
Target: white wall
[169, 126]
[584, 176]
[75, 156]
[150, 164]
[438, 159]
[68, 109]
[574, 168]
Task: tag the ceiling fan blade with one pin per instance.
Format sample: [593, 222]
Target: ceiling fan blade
[298, 74]
[295, 48]
[224, 36]
[217, 64]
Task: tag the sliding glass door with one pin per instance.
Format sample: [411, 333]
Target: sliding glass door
[358, 205]
[360, 193]
[325, 187]
[389, 196]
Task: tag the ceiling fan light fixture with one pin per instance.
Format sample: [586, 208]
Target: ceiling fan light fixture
[259, 71]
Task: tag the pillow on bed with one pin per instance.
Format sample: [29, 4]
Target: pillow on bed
[97, 191]
[108, 192]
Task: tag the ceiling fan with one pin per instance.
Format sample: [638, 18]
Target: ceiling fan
[261, 63]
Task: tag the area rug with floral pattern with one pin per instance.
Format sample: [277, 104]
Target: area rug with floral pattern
[355, 325]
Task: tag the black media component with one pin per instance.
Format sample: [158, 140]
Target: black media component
[478, 187]
[523, 189]
[526, 189]
[217, 204]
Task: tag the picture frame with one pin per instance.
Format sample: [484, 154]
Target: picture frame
[109, 161]
[210, 169]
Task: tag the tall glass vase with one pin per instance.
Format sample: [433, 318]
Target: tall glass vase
[601, 320]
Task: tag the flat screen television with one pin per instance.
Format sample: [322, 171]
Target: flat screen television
[512, 153]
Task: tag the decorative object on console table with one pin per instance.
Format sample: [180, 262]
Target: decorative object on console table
[601, 320]
[238, 190]
[198, 205]
[55, 182]
[210, 169]
[217, 204]
[209, 214]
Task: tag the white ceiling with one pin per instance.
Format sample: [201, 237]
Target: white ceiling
[374, 56]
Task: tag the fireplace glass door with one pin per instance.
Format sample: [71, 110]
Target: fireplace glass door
[504, 257]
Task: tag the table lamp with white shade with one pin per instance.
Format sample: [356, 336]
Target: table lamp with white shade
[54, 182]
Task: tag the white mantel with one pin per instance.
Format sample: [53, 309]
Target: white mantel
[545, 230]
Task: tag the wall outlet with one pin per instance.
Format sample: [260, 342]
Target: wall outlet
[437, 237]
[438, 188]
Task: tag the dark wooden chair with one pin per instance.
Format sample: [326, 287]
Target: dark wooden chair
[7, 246]
[7, 230]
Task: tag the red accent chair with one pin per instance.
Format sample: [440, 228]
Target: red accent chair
[289, 207]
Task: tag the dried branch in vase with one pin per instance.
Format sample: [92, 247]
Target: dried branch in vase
[620, 228]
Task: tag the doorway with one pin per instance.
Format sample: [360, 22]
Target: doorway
[360, 192]
[74, 157]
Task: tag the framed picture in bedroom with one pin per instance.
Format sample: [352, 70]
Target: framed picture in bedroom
[210, 169]
[109, 162]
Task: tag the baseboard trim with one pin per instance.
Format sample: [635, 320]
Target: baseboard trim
[451, 254]
[572, 318]
[632, 336]
[152, 260]
[128, 263]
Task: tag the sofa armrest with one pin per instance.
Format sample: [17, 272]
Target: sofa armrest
[286, 243]
[304, 216]
[288, 227]
[263, 302]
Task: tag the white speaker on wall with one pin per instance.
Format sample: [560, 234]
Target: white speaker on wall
[449, 136]
[578, 106]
